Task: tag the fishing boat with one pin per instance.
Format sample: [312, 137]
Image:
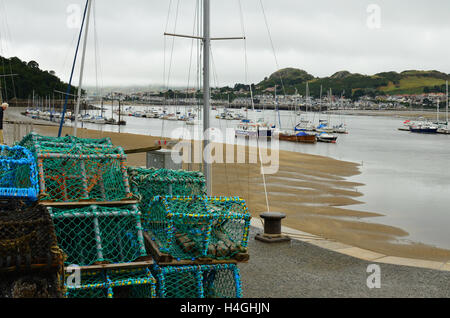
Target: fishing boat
[326, 137]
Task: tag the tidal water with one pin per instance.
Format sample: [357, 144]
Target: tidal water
[406, 176]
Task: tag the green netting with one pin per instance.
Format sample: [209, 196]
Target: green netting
[91, 285]
[73, 169]
[129, 283]
[18, 174]
[148, 183]
[198, 227]
[31, 139]
[201, 281]
[27, 238]
[97, 234]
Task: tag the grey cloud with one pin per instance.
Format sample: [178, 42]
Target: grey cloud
[322, 37]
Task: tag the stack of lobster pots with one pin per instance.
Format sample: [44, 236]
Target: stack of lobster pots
[84, 185]
[31, 263]
[113, 231]
[196, 241]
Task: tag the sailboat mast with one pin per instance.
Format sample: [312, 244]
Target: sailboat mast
[320, 103]
[277, 107]
[446, 104]
[206, 90]
[77, 109]
[437, 113]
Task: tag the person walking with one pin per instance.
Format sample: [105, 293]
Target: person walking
[2, 111]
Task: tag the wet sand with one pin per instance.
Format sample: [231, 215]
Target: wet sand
[312, 191]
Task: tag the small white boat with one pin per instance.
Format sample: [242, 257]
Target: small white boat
[406, 125]
[340, 129]
[190, 122]
[324, 127]
[424, 128]
[246, 129]
[444, 130]
[326, 137]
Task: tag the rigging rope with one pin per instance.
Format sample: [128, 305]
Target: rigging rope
[165, 42]
[252, 101]
[241, 15]
[73, 70]
[272, 45]
[171, 56]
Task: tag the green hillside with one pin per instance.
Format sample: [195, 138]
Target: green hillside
[29, 77]
[356, 85]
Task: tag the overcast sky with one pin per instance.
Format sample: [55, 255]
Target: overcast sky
[321, 37]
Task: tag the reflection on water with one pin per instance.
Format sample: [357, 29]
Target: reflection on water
[406, 175]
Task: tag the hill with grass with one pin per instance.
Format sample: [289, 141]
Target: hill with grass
[354, 85]
[29, 78]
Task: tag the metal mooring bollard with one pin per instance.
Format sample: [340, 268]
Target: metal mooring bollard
[272, 228]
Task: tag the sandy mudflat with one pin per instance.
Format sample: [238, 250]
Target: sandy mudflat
[311, 190]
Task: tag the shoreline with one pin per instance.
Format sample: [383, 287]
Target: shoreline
[313, 191]
[403, 114]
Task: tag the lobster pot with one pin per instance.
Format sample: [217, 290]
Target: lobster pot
[32, 284]
[113, 283]
[30, 140]
[73, 169]
[198, 227]
[27, 238]
[18, 174]
[148, 183]
[95, 234]
[200, 281]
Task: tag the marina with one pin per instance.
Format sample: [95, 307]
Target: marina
[206, 149]
[379, 148]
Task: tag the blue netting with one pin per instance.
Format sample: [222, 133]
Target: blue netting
[18, 173]
[74, 169]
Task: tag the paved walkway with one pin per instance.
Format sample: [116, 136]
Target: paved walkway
[300, 269]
